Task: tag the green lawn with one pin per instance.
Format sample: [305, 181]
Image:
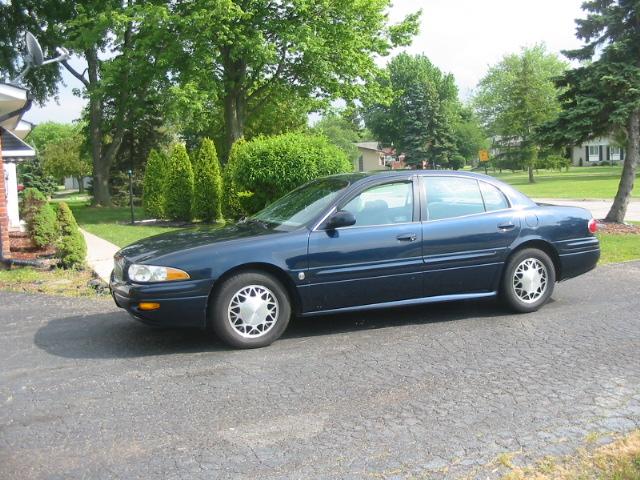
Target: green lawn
[578, 183]
[619, 248]
[112, 223]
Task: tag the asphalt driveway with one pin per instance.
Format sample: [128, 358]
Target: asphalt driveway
[435, 391]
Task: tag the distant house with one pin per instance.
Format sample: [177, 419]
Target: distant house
[371, 157]
[596, 151]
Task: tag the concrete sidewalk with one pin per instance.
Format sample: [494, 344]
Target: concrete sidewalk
[100, 255]
[598, 208]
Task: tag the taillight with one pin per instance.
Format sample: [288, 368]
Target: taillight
[592, 226]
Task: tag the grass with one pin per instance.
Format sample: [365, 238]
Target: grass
[619, 460]
[619, 247]
[112, 223]
[578, 183]
[69, 283]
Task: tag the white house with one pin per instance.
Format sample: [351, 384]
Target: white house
[370, 157]
[13, 103]
[596, 151]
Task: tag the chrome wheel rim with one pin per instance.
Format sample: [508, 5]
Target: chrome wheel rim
[530, 280]
[253, 311]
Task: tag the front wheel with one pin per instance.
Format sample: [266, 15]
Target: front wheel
[528, 280]
[250, 310]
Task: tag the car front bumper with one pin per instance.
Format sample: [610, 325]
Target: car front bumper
[182, 304]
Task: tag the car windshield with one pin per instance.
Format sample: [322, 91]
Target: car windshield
[302, 205]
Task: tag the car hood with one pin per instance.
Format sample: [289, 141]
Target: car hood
[190, 238]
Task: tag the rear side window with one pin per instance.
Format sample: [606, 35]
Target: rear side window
[494, 199]
[449, 197]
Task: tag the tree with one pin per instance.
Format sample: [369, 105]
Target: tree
[65, 157]
[207, 191]
[603, 97]
[179, 185]
[340, 132]
[469, 134]
[518, 96]
[155, 179]
[255, 53]
[419, 120]
[116, 39]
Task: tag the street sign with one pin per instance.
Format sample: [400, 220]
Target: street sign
[483, 155]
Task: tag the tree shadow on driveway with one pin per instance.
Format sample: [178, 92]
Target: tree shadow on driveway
[116, 335]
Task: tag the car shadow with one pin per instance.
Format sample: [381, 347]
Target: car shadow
[116, 335]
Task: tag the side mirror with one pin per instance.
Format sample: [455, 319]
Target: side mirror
[341, 218]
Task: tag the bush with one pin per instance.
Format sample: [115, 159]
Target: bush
[32, 175]
[119, 187]
[456, 162]
[154, 182]
[231, 199]
[71, 248]
[269, 167]
[178, 187]
[39, 217]
[207, 190]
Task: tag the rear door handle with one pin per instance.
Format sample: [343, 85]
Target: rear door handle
[503, 227]
[407, 237]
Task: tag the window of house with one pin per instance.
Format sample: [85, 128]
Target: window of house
[383, 205]
[449, 197]
[494, 199]
[614, 152]
[594, 153]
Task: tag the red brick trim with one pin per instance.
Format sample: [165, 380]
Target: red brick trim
[4, 216]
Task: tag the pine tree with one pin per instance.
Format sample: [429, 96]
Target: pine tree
[207, 193]
[154, 184]
[179, 185]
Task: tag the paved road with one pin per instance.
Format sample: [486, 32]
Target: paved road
[433, 392]
[598, 208]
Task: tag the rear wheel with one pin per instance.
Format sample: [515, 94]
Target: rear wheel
[528, 280]
[250, 310]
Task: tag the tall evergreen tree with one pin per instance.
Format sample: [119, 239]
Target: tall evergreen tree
[178, 189]
[155, 178]
[602, 97]
[207, 192]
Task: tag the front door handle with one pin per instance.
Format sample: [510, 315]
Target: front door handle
[504, 227]
[407, 237]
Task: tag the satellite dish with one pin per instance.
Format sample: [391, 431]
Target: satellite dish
[34, 49]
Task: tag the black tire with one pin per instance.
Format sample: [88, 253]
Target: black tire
[220, 315]
[514, 293]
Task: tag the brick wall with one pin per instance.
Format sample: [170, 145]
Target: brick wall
[4, 215]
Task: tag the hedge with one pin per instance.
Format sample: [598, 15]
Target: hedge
[178, 188]
[39, 217]
[71, 247]
[155, 175]
[207, 192]
[269, 167]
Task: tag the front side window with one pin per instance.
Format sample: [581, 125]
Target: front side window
[449, 197]
[383, 204]
[594, 151]
[615, 153]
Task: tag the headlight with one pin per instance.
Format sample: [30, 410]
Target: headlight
[150, 273]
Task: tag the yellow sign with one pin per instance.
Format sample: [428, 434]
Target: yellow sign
[483, 155]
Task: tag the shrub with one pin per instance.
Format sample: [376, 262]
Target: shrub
[119, 186]
[178, 187]
[32, 175]
[232, 199]
[207, 190]
[269, 167]
[154, 182]
[39, 217]
[456, 162]
[71, 248]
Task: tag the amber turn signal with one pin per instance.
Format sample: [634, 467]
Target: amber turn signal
[175, 274]
[148, 306]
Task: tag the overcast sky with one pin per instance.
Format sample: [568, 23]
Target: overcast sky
[463, 37]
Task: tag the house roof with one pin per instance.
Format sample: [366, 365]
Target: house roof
[12, 98]
[368, 146]
[13, 148]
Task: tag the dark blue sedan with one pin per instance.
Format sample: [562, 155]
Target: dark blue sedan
[356, 242]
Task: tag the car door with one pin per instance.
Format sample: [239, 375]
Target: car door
[376, 260]
[467, 229]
